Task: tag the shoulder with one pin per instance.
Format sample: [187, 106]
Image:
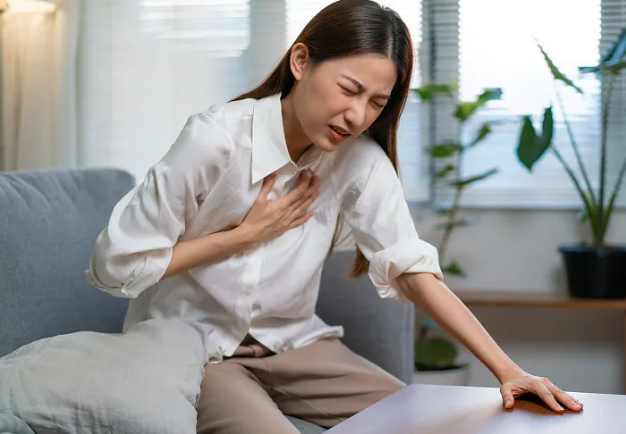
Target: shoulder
[201, 139]
[356, 161]
[209, 135]
[234, 118]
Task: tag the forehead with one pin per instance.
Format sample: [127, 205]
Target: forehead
[375, 72]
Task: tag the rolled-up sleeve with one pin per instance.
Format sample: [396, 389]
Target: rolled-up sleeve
[135, 248]
[383, 229]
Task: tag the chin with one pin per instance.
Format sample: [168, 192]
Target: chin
[327, 145]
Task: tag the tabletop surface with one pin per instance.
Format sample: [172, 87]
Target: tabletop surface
[430, 409]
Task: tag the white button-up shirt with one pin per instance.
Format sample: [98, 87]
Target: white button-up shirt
[206, 183]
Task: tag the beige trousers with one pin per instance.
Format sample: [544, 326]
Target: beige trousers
[324, 383]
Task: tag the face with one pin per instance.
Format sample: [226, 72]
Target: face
[339, 99]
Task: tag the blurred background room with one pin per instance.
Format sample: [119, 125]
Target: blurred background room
[504, 186]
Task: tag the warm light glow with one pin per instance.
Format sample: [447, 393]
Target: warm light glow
[30, 6]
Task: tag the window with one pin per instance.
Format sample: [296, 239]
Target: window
[146, 65]
[489, 43]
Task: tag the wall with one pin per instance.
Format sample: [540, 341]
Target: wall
[516, 250]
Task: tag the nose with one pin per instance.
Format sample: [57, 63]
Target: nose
[355, 115]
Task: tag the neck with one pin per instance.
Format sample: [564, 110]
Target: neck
[297, 141]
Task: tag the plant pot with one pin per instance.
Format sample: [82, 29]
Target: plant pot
[454, 376]
[595, 272]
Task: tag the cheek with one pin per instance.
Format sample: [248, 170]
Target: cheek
[370, 118]
[316, 108]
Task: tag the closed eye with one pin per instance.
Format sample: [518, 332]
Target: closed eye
[348, 91]
[353, 93]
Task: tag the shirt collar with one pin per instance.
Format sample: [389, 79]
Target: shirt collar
[269, 148]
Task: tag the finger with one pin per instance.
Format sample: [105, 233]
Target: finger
[507, 396]
[302, 220]
[268, 184]
[304, 206]
[304, 194]
[311, 193]
[296, 194]
[564, 398]
[315, 183]
[544, 393]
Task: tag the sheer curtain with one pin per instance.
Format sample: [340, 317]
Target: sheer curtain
[39, 86]
[147, 65]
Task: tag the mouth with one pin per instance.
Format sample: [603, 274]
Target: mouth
[339, 134]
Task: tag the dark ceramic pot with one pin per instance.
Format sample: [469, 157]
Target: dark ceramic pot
[595, 272]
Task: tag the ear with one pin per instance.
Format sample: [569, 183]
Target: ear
[299, 60]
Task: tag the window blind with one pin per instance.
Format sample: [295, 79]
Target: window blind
[486, 44]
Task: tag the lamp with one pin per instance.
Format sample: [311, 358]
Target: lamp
[17, 7]
[26, 6]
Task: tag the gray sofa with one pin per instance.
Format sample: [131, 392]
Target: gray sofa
[49, 221]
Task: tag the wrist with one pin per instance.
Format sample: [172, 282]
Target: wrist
[244, 237]
[509, 372]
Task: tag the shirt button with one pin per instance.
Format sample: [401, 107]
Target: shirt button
[248, 292]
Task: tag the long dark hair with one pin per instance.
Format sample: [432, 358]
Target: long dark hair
[342, 29]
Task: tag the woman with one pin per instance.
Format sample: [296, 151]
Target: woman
[231, 228]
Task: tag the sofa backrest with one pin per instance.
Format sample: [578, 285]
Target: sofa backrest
[49, 221]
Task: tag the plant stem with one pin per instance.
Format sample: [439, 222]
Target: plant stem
[586, 200]
[606, 105]
[620, 178]
[456, 202]
[451, 221]
[570, 133]
[616, 189]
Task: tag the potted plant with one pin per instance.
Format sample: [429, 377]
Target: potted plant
[448, 157]
[593, 269]
[435, 355]
[436, 358]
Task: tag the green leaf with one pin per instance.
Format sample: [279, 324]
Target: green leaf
[445, 171]
[490, 94]
[612, 60]
[583, 217]
[429, 91]
[547, 126]
[445, 150]
[465, 110]
[532, 147]
[558, 75]
[615, 68]
[473, 179]
[593, 213]
[453, 269]
[485, 130]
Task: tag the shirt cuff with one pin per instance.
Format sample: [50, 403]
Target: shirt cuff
[147, 273]
[413, 256]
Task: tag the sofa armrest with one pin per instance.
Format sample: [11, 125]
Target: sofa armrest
[380, 330]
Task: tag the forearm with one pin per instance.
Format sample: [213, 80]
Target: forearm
[443, 306]
[207, 250]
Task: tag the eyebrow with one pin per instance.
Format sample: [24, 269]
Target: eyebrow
[362, 88]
